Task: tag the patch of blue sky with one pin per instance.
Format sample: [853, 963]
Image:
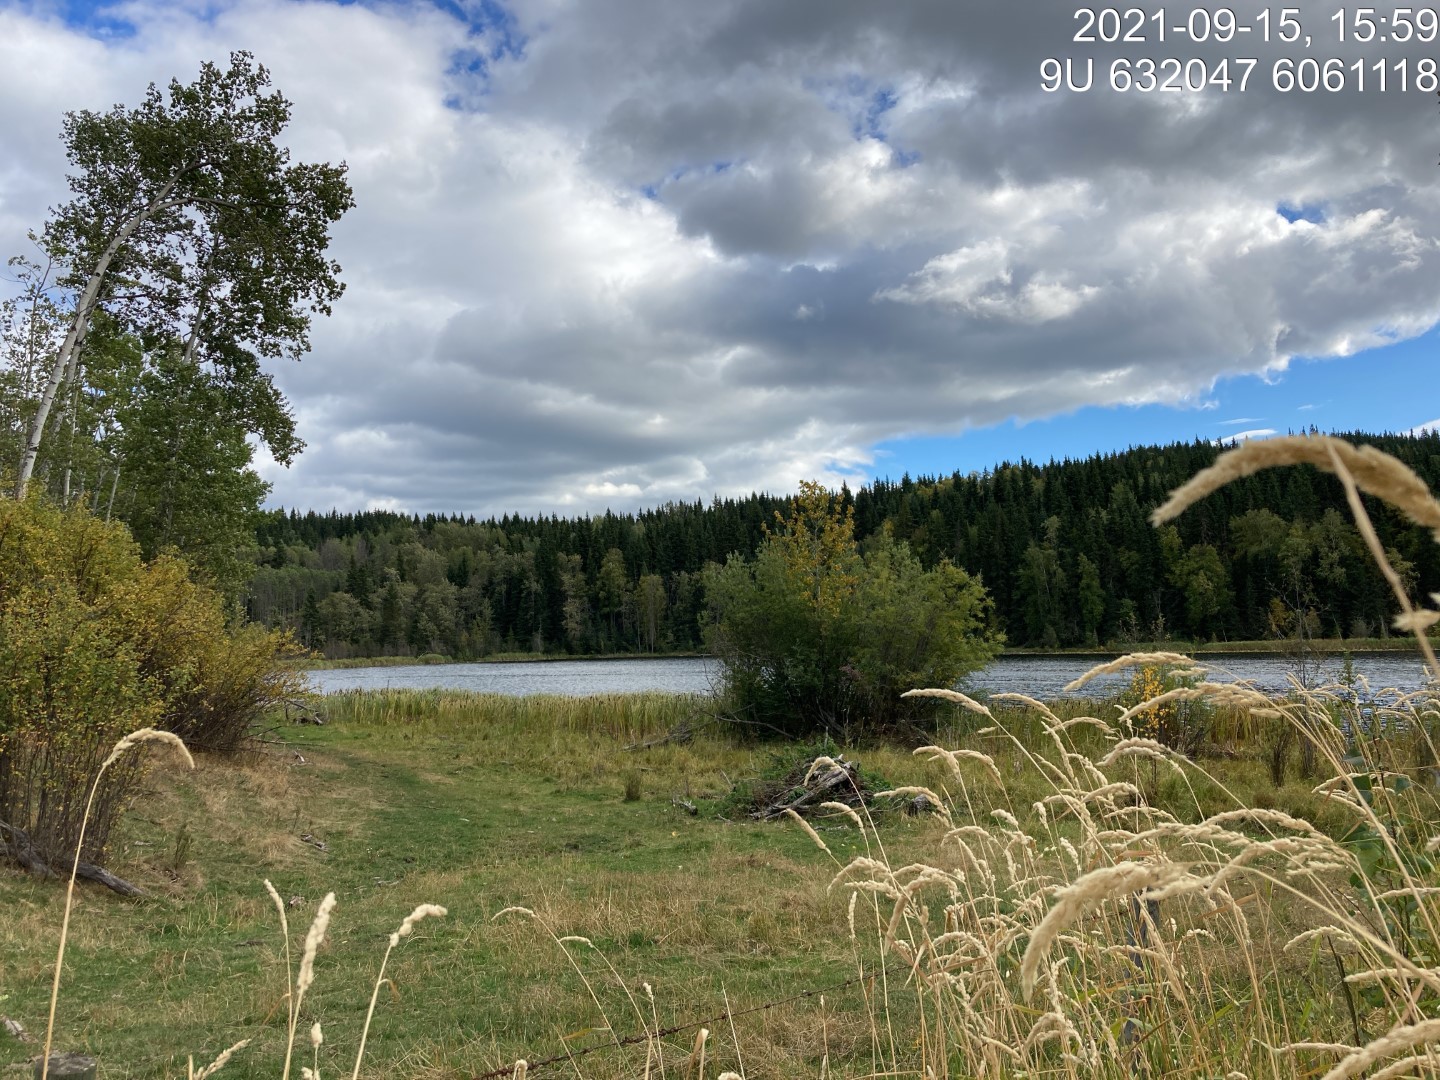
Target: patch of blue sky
[1387, 389]
[94, 19]
[495, 35]
[880, 102]
[864, 104]
[857, 98]
[1293, 212]
[653, 191]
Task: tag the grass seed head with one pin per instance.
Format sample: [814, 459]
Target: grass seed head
[953, 696]
[149, 735]
[313, 939]
[1399, 1038]
[809, 831]
[1130, 660]
[422, 912]
[1374, 472]
[1085, 893]
[221, 1061]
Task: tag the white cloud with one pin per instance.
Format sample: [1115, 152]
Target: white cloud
[786, 231]
[1429, 428]
[979, 280]
[1246, 436]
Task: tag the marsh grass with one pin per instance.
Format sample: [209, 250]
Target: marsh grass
[626, 717]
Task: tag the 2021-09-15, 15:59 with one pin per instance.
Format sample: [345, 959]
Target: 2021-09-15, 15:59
[1138, 26]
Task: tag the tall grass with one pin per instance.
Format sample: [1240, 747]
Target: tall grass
[1092, 933]
[618, 716]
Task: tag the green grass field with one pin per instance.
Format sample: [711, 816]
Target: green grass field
[481, 803]
[477, 805]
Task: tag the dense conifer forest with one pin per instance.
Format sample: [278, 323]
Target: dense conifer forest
[1065, 549]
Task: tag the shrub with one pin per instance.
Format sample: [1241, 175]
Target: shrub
[1181, 724]
[95, 642]
[816, 635]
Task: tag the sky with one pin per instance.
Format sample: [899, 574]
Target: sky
[611, 253]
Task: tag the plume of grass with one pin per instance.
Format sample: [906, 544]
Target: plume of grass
[1095, 887]
[1397, 1039]
[289, 973]
[317, 1040]
[219, 1063]
[1130, 660]
[128, 742]
[424, 911]
[1373, 471]
[1359, 468]
[695, 1066]
[314, 937]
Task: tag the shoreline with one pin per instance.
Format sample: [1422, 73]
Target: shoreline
[436, 659]
[1315, 647]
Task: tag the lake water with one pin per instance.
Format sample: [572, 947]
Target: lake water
[571, 677]
[1038, 676]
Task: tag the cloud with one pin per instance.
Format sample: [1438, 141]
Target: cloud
[1425, 429]
[1246, 436]
[979, 280]
[614, 253]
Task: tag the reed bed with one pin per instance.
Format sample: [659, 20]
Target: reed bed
[624, 717]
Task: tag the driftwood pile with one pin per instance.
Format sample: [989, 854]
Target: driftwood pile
[807, 785]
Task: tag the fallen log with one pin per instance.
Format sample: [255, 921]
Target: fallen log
[19, 848]
[304, 712]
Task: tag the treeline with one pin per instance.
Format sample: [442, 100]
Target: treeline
[1065, 549]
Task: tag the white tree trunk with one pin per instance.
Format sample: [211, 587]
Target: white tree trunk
[114, 483]
[76, 335]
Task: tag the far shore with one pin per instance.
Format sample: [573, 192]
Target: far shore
[322, 664]
[1282, 647]
[1321, 646]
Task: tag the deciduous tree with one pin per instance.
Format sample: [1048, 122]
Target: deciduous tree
[816, 635]
[189, 225]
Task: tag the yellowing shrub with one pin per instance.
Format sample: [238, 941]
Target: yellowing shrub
[94, 643]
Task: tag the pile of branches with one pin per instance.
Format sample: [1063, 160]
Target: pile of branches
[809, 783]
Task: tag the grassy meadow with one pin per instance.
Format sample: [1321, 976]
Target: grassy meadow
[476, 803]
[483, 803]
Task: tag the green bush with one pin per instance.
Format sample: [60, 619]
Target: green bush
[94, 643]
[816, 635]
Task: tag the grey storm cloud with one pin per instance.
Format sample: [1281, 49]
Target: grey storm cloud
[626, 251]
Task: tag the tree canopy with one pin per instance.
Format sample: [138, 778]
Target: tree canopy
[1064, 550]
[191, 250]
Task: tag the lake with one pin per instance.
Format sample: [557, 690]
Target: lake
[1038, 676]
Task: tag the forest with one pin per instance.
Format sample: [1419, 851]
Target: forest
[1065, 550]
